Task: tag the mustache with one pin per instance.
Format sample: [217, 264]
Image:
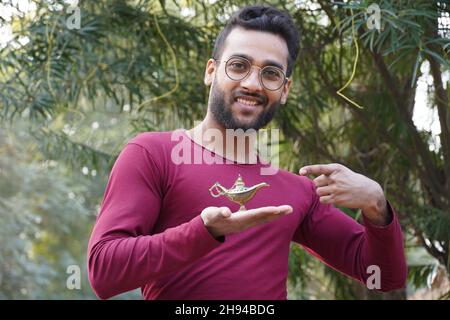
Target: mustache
[256, 95]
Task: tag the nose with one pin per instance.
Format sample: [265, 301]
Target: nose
[252, 82]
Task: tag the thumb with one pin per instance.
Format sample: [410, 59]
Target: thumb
[225, 212]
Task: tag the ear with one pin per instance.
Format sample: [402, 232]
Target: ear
[285, 92]
[209, 72]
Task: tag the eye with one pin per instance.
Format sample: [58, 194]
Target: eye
[272, 73]
[237, 66]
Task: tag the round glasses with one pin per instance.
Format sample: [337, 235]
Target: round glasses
[238, 68]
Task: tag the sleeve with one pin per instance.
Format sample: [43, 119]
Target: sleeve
[123, 254]
[353, 249]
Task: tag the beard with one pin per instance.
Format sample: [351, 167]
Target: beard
[221, 111]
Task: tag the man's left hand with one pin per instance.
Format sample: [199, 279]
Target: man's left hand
[339, 185]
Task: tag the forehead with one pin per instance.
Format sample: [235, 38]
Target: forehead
[260, 46]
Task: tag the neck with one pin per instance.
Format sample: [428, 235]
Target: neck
[235, 145]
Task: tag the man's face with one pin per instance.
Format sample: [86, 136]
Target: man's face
[231, 102]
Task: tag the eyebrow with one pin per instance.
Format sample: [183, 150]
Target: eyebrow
[265, 62]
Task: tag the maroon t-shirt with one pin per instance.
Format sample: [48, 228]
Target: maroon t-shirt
[149, 232]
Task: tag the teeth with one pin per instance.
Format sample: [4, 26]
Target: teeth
[247, 102]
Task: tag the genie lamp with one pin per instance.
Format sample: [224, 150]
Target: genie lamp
[238, 193]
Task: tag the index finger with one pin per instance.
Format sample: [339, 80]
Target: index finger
[318, 169]
[255, 214]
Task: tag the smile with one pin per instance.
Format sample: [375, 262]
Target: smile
[248, 101]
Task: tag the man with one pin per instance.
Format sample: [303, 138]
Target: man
[160, 229]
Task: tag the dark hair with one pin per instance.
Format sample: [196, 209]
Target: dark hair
[263, 18]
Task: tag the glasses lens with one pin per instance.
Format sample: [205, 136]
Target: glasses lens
[272, 78]
[237, 68]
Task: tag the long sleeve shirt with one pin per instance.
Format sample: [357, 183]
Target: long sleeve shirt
[149, 233]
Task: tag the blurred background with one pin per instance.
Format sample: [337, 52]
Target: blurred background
[78, 79]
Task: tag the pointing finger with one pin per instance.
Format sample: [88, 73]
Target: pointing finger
[318, 169]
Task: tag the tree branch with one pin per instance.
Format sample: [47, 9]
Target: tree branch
[428, 168]
[442, 104]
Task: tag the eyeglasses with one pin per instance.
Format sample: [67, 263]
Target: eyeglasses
[238, 68]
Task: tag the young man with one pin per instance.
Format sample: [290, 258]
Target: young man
[160, 229]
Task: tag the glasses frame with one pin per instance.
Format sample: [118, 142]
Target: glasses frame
[249, 71]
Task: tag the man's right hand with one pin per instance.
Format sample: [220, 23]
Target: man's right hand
[221, 222]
